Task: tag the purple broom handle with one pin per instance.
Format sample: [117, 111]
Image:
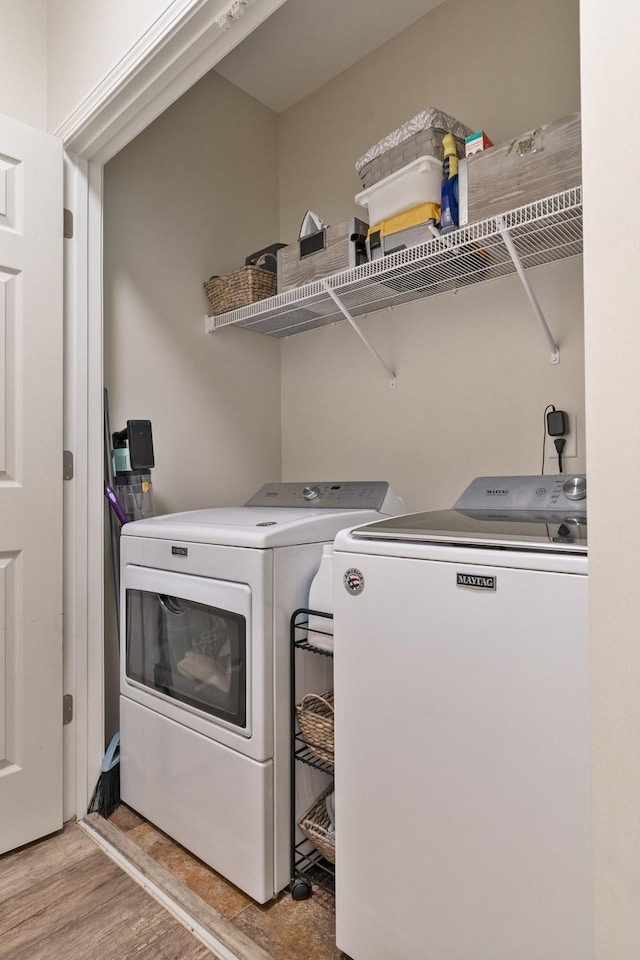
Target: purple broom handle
[115, 504]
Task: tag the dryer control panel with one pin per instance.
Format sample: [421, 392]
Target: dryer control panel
[334, 495]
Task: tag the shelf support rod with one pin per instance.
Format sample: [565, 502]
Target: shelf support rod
[513, 253]
[345, 313]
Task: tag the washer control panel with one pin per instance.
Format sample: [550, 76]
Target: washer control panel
[347, 495]
[529, 493]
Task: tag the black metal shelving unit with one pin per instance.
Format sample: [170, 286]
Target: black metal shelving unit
[308, 866]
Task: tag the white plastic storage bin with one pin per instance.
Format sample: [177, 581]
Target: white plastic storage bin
[419, 182]
[321, 598]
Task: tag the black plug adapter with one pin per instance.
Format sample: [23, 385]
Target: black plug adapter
[557, 423]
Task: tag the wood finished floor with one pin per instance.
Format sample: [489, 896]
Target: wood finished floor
[286, 929]
[62, 898]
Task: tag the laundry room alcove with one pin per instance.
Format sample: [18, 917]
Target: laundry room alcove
[233, 166]
[221, 174]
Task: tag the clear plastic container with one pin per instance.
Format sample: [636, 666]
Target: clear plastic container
[135, 493]
[418, 182]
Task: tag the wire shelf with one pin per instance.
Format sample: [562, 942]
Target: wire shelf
[311, 864]
[304, 755]
[542, 232]
[306, 860]
[310, 647]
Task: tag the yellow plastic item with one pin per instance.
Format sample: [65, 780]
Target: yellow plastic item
[450, 154]
[404, 221]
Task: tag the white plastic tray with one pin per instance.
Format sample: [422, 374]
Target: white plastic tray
[419, 182]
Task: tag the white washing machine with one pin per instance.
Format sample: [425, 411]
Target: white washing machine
[206, 599]
[462, 754]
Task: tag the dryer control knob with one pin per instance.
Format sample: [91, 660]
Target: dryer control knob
[311, 493]
[575, 488]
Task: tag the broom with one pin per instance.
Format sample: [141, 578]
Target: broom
[106, 795]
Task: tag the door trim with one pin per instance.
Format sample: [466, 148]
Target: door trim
[179, 48]
[183, 44]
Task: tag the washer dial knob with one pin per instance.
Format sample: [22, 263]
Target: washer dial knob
[311, 493]
[575, 488]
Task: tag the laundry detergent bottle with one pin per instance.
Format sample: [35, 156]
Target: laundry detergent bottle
[449, 199]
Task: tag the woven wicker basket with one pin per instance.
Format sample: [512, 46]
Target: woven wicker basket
[315, 716]
[240, 288]
[424, 143]
[315, 826]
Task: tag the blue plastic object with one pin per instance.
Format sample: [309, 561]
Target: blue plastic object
[112, 756]
[449, 216]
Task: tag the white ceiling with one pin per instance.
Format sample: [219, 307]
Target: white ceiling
[307, 42]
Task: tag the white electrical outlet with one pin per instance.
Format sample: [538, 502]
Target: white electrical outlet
[571, 446]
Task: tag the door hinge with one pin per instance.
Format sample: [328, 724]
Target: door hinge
[67, 709]
[67, 465]
[67, 229]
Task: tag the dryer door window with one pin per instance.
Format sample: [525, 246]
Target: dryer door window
[188, 651]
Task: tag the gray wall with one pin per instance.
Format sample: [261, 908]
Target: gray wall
[190, 197]
[23, 61]
[611, 80]
[85, 40]
[473, 368]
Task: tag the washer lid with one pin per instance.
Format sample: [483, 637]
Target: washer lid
[526, 530]
[259, 527]
[547, 513]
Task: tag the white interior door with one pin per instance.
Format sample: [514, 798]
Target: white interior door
[30, 483]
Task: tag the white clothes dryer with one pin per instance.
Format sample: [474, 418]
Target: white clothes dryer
[462, 753]
[206, 600]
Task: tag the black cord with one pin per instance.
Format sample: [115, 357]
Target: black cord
[549, 406]
[560, 444]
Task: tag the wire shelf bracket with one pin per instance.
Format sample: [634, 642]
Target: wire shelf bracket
[513, 253]
[345, 313]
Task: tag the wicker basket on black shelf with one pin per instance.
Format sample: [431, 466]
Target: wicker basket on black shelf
[315, 717]
[316, 826]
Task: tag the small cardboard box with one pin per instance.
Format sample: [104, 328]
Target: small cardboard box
[476, 143]
[536, 164]
[328, 251]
